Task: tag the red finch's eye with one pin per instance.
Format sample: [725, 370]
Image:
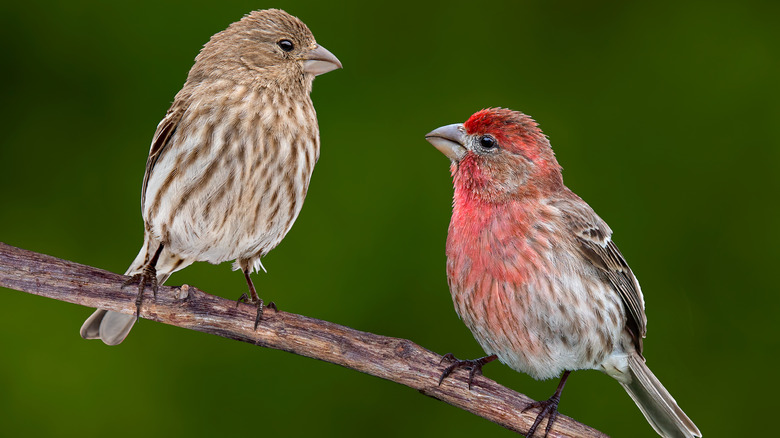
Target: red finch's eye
[285, 45]
[488, 142]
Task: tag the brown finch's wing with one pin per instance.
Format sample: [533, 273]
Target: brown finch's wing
[162, 136]
[595, 239]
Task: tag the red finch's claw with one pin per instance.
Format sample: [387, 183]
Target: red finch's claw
[448, 357]
[547, 408]
[474, 365]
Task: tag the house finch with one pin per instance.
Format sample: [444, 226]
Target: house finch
[230, 163]
[534, 273]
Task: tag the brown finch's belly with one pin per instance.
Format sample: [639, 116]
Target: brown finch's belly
[234, 212]
[232, 229]
[545, 325]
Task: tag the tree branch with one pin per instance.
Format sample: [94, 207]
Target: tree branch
[398, 360]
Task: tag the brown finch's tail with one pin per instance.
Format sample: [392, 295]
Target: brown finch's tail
[110, 327]
[656, 403]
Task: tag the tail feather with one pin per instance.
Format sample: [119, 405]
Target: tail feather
[655, 402]
[110, 327]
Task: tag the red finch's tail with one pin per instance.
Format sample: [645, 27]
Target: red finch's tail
[656, 403]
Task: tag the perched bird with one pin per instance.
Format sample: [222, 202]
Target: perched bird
[533, 270]
[230, 164]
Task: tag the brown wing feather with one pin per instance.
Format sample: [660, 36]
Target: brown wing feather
[162, 136]
[594, 237]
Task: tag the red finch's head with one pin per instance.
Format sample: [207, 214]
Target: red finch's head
[498, 153]
[268, 46]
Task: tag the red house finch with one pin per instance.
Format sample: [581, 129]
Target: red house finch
[230, 163]
[534, 273]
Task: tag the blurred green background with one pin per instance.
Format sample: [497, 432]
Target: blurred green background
[663, 115]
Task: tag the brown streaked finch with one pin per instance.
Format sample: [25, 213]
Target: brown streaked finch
[230, 164]
[534, 273]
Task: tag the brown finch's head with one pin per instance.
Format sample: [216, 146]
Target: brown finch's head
[264, 47]
[498, 153]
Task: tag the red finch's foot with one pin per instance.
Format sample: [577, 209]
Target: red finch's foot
[475, 365]
[147, 276]
[548, 408]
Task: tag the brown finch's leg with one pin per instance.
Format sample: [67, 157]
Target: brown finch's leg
[548, 407]
[147, 275]
[475, 365]
[254, 299]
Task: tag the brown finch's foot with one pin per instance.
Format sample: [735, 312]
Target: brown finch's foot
[147, 276]
[253, 298]
[244, 298]
[475, 365]
[547, 408]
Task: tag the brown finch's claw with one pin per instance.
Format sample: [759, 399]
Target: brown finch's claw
[474, 365]
[147, 276]
[548, 408]
[244, 298]
[259, 313]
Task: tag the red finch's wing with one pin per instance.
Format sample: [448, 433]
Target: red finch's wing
[595, 239]
[162, 136]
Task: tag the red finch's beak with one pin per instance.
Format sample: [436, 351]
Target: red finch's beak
[450, 140]
[319, 60]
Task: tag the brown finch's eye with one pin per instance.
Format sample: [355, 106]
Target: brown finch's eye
[285, 45]
[487, 142]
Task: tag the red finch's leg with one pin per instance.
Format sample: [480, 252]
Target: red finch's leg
[148, 275]
[475, 365]
[548, 407]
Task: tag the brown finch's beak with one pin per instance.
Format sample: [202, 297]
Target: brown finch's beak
[450, 140]
[319, 60]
